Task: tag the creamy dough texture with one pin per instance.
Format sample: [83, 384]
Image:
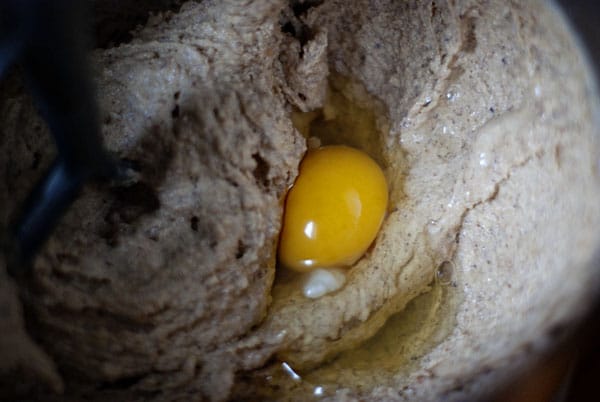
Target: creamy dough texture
[164, 290]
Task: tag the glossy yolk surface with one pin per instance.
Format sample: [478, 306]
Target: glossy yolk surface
[334, 209]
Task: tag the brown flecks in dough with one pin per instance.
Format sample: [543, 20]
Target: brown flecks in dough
[469, 43]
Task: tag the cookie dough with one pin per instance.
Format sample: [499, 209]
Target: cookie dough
[165, 289]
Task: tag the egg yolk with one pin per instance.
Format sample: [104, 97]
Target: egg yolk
[334, 209]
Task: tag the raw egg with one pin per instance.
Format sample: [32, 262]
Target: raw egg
[334, 209]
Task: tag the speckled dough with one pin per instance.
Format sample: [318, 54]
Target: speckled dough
[165, 289]
[160, 280]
